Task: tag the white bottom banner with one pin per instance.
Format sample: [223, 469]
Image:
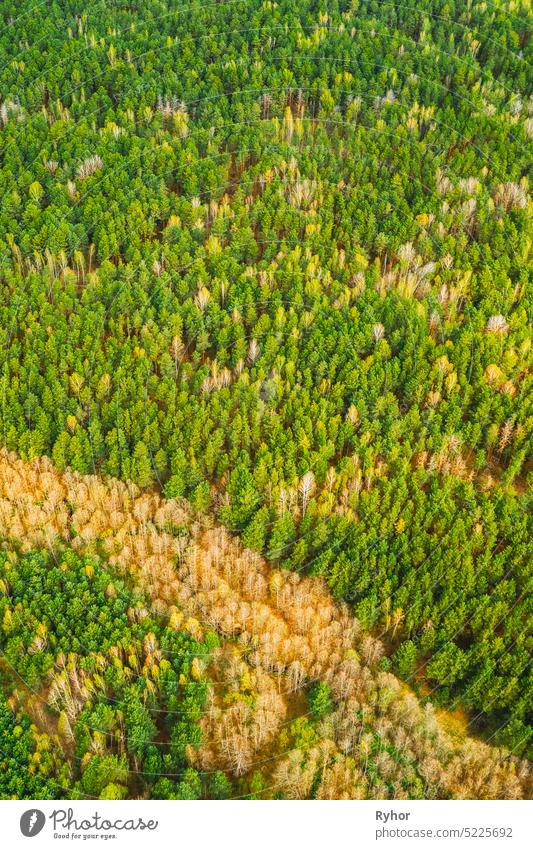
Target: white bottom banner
[228, 825]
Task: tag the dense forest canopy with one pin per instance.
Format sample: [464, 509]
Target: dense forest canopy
[274, 258]
[282, 694]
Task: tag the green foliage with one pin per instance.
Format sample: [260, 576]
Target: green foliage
[231, 256]
[254, 535]
[103, 772]
[219, 786]
[69, 626]
[406, 659]
[244, 498]
[25, 773]
[320, 700]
